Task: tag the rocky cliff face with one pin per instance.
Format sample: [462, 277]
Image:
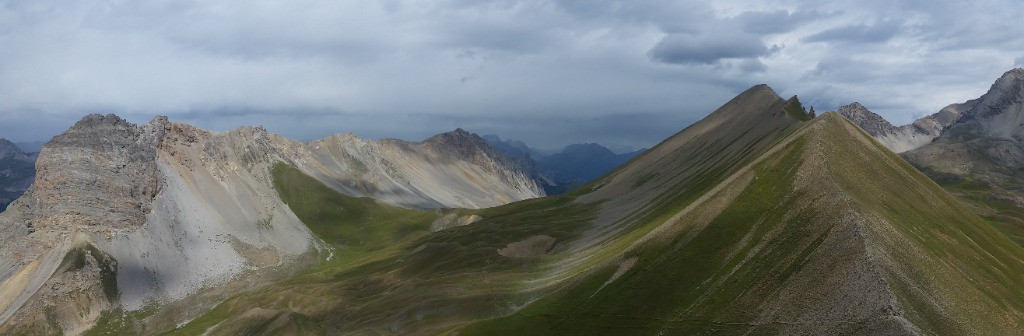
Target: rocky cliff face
[998, 114]
[907, 137]
[101, 172]
[986, 144]
[172, 215]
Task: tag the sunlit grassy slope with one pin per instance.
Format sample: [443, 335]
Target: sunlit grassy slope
[748, 222]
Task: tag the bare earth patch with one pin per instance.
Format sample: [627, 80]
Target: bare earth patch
[529, 247]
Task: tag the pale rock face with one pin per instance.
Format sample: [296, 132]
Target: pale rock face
[907, 137]
[451, 170]
[184, 210]
[998, 114]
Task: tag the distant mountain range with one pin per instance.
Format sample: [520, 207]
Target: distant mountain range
[573, 166]
[17, 170]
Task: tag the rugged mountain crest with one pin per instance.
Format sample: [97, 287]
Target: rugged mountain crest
[100, 172]
[999, 113]
[185, 213]
[870, 122]
[987, 142]
[470, 147]
[906, 137]
[424, 175]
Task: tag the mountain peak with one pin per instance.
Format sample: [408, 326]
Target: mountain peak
[8, 148]
[759, 90]
[1015, 73]
[97, 119]
[869, 121]
[459, 137]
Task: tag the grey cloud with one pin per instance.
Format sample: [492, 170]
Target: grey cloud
[1019, 62]
[706, 48]
[547, 72]
[779, 21]
[668, 15]
[880, 31]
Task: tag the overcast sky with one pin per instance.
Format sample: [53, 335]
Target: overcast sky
[622, 73]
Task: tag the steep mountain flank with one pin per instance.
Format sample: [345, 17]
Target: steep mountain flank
[16, 172]
[451, 170]
[800, 241]
[182, 217]
[755, 220]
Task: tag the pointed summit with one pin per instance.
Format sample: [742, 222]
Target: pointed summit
[8, 148]
[870, 122]
[459, 140]
[996, 112]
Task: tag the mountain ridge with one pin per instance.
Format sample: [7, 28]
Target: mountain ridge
[986, 115]
[159, 199]
[758, 219]
[750, 221]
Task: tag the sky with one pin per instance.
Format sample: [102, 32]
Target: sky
[626, 74]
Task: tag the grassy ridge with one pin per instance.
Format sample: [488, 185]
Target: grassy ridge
[930, 237]
[668, 277]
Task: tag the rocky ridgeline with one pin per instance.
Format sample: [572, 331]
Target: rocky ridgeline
[101, 172]
[462, 145]
[996, 114]
[870, 122]
[1005, 93]
[159, 199]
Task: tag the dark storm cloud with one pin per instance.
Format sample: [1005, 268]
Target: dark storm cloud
[707, 49]
[667, 15]
[879, 31]
[549, 72]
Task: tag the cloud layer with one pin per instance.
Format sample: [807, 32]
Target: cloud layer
[624, 73]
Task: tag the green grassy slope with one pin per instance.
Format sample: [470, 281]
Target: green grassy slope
[748, 222]
[953, 272]
[964, 168]
[865, 248]
[443, 280]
